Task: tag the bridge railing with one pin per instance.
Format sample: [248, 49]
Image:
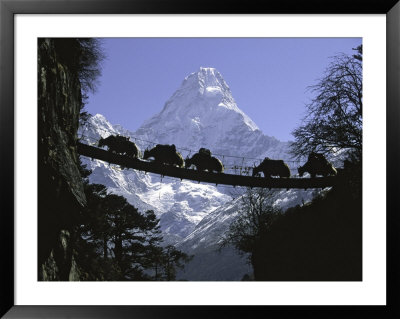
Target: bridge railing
[202, 176]
[236, 165]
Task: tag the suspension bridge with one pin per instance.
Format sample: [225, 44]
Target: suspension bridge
[240, 179]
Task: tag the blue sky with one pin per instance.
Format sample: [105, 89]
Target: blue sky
[268, 77]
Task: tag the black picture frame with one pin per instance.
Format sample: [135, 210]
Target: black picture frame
[8, 10]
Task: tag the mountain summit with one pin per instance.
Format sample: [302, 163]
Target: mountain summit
[201, 113]
[209, 89]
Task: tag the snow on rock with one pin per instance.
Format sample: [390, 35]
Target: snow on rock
[201, 113]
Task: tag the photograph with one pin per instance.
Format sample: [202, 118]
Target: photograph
[200, 159]
[176, 160]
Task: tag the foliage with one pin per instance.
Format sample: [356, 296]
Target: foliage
[117, 242]
[173, 259]
[83, 55]
[256, 215]
[84, 117]
[333, 120]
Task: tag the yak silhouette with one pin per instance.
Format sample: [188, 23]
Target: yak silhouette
[204, 161]
[272, 168]
[317, 164]
[165, 154]
[120, 145]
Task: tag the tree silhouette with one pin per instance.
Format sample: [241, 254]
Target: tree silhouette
[172, 259]
[83, 55]
[256, 215]
[117, 242]
[333, 120]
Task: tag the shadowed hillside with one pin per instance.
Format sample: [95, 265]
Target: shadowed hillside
[320, 241]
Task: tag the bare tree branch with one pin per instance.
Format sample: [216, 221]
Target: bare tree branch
[333, 120]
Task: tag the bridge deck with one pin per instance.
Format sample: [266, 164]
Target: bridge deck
[201, 176]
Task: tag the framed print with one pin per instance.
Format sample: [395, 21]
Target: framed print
[173, 159]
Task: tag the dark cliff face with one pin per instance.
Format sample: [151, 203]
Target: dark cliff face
[60, 189]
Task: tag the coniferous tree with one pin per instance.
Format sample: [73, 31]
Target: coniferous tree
[117, 242]
[171, 260]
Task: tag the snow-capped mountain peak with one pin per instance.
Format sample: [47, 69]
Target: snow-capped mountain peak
[201, 113]
[100, 121]
[206, 78]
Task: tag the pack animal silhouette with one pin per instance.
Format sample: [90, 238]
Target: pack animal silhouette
[204, 161]
[272, 168]
[120, 145]
[165, 154]
[317, 164]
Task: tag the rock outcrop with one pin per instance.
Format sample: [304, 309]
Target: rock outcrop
[60, 189]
